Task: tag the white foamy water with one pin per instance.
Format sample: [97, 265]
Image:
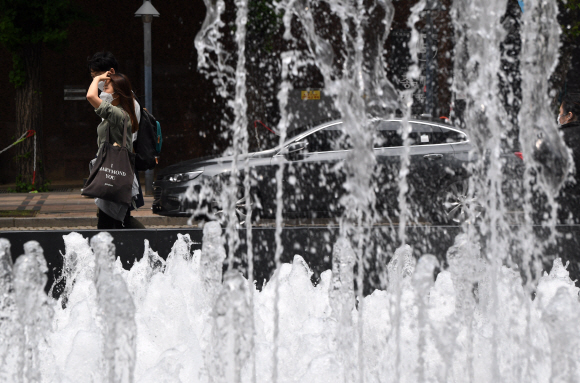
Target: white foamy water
[176, 321]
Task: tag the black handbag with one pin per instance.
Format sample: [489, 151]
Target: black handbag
[112, 175]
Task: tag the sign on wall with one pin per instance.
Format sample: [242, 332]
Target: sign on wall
[75, 94]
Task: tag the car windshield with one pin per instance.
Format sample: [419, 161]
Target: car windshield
[265, 137]
[262, 137]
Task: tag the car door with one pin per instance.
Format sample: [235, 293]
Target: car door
[433, 164]
[428, 162]
[453, 191]
[461, 146]
[388, 147]
[312, 183]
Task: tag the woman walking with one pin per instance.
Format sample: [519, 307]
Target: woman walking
[114, 113]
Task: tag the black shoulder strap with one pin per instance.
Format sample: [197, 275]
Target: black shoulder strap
[125, 122]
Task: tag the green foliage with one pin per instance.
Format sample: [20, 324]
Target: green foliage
[27, 187]
[31, 22]
[572, 17]
[17, 75]
[24, 156]
[573, 4]
[264, 23]
[24, 186]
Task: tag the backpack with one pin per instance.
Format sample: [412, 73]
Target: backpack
[159, 139]
[148, 144]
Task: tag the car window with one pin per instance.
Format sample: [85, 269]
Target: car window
[449, 136]
[326, 140]
[423, 134]
[389, 134]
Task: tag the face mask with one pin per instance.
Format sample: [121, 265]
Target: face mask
[101, 86]
[560, 118]
[106, 97]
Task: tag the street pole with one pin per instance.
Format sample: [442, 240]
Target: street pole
[148, 88]
[147, 11]
[147, 57]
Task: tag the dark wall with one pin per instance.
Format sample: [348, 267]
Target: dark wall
[182, 97]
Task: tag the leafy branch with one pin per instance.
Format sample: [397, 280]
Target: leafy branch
[572, 17]
[32, 22]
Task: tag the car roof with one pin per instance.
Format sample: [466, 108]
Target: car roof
[305, 130]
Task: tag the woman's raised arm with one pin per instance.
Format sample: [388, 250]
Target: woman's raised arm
[93, 92]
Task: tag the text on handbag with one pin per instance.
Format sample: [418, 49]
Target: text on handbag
[112, 172]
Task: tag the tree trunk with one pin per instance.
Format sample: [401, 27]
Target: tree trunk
[29, 116]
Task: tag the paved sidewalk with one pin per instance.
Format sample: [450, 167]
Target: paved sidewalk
[60, 210]
[66, 210]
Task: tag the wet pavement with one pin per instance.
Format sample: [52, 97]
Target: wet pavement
[68, 210]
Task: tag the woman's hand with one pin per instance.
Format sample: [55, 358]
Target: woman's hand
[103, 77]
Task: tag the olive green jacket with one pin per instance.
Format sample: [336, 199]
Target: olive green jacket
[113, 117]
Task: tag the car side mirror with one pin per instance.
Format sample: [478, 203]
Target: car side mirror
[292, 151]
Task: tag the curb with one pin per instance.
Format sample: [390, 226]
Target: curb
[85, 221]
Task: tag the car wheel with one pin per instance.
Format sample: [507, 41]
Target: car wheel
[457, 202]
[242, 212]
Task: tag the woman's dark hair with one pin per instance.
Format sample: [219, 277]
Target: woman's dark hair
[102, 62]
[571, 104]
[122, 87]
